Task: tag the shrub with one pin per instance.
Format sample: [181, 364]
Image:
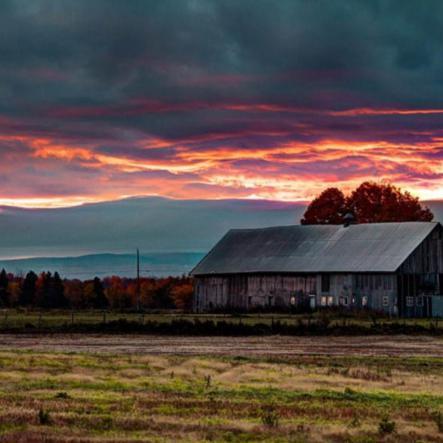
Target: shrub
[438, 419]
[386, 426]
[355, 422]
[43, 417]
[269, 416]
[349, 393]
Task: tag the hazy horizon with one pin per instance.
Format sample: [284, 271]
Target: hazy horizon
[153, 224]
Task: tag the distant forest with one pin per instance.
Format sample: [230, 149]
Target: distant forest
[50, 291]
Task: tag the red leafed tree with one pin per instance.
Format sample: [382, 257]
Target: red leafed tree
[369, 203]
[327, 209]
[182, 295]
[375, 203]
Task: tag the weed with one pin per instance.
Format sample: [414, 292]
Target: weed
[302, 428]
[269, 416]
[349, 393]
[438, 419]
[62, 395]
[105, 423]
[355, 422]
[386, 426]
[44, 417]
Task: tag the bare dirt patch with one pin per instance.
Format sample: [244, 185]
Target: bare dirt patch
[398, 345]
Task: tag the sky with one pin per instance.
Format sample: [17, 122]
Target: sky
[210, 99]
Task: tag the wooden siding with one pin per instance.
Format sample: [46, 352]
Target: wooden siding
[421, 276]
[376, 291]
[427, 257]
[247, 291]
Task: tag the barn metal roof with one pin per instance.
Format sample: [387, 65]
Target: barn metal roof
[375, 247]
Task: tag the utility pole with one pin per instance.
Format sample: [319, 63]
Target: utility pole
[138, 280]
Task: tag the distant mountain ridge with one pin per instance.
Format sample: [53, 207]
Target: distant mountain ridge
[152, 224]
[103, 265]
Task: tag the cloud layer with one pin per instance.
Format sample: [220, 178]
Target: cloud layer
[217, 99]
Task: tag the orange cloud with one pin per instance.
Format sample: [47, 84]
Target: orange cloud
[210, 167]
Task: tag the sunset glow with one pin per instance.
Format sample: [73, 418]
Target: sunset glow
[219, 109]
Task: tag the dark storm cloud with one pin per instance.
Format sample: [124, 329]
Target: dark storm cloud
[102, 52]
[179, 85]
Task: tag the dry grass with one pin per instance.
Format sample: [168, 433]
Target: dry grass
[118, 397]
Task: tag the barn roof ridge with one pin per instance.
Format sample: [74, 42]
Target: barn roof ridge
[364, 247]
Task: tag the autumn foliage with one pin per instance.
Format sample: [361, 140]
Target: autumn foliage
[369, 203]
[48, 291]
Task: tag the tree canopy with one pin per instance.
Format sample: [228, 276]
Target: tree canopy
[369, 203]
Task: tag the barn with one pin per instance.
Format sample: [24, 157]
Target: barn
[392, 267]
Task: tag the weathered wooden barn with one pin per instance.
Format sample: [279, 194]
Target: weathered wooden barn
[391, 267]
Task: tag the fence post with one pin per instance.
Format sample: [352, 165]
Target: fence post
[104, 316]
[39, 320]
[72, 317]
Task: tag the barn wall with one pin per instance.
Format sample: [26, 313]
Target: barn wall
[248, 291]
[280, 290]
[334, 289]
[375, 291]
[427, 257]
[421, 276]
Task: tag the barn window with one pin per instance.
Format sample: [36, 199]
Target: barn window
[364, 300]
[344, 301]
[420, 301]
[325, 283]
[330, 300]
[249, 300]
[292, 301]
[323, 301]
[409, 301]
[385, 300]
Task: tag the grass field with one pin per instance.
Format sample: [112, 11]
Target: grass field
[108, 395]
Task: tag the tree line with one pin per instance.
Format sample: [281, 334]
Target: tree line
[49, 291]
